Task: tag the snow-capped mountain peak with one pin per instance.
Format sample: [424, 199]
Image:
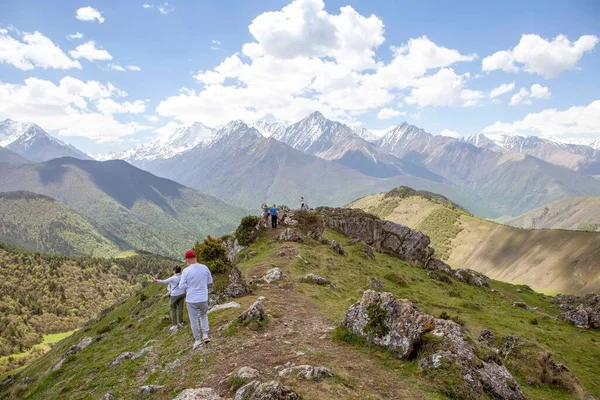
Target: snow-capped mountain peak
[402, 135]
[11, 130]
[270, 129]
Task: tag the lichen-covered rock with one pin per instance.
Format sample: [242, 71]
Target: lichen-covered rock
[290, 235]
[376, 284]
[436, 265]
[255, 311]
[150, 389]
[408, 244]
[471, 277]
[272, 390]
[198, 394]
[76, 348]
[225, 306]
[108, 396]
[315, 280]
[237, 286]
[128, 355]
[519, 304]
[233, 249]
[247, 373]
[454, 352]
[308, 372]
[272, 275]
[583, 312]
[335, 246]
[387, 321]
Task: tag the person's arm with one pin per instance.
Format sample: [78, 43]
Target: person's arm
[209, 280]
[183, 281]
[165, 281]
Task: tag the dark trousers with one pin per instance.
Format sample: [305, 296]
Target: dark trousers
[177, 309]
[273, 221]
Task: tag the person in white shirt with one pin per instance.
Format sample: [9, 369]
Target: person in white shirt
[196, 281]
[177, 297]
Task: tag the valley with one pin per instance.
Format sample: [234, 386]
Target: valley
[552, 261]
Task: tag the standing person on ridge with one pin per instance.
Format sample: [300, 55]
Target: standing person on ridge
[302, 203]
[197, 281]
[177, 296]
[265, 213]
[273, 212]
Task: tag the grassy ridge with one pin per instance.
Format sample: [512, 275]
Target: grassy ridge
[553, 261]
[40, 223]
[300, 315]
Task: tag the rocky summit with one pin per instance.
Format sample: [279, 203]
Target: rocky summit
[301, 319]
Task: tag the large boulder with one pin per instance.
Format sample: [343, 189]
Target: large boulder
[272, 390]
[455, 354]
[272, 275]
[471, 277]
[407, 243]
[387, 321]
[583, 312]
[316, 280]
[198, 394]
[237, 286]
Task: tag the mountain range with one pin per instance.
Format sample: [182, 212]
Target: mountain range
[131, 208]
[574, 213]
[33, 143]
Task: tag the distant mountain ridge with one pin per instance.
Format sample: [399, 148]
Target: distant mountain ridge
[131, 207]
[32, 142]
[576, 213]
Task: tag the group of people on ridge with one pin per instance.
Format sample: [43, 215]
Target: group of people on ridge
[191, 286]
[272, 212]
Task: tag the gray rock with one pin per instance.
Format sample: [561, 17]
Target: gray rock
[255, 311]
[471, 277]
[486, 336]
[376, 284]
[308, 372]
[247, 373]
[519, 304]
[272, 390]
[315, 280]
[368, 252]
[219, 307]
[583, 312]
[290, 235]
[482, 376]
[58, 365]
[150, 389]
[437, 265]
[272, 275]
[233, 249]
[198, 394]
[338, 248]
[237, 287]
[85, 342]
[108, 396]
[128, 355]
[387, 321]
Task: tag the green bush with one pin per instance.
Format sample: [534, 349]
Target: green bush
[246, 233]
[213, 253]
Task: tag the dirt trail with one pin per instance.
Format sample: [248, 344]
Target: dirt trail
[298, 333]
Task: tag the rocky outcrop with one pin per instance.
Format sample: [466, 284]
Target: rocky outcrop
[237, 286]
[107, 396]
[437, 265]
[307, 372]
[129, 355]
[583, 312]
[335, 246]
[147, 390]
[290, 235]
[272, 275]
[272, 390]
[471, 277]
[233, 249]
[247, 373]
[376, 284]
[387, 321]
[408, 244]
[455, 353]
[256, 312]
[316, 280]
[198, 394]
[76, 348]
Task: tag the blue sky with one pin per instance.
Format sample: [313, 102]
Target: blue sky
[306, 55]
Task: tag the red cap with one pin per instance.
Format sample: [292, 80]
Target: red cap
[190, 254]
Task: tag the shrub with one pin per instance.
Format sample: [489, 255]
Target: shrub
[246, 233]
[213, 253]
[533, 321]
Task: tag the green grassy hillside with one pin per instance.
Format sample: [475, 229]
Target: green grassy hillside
[576, 213]
[553, 261]
[131, 207]
[300, 329]
[40, 223]
[47, 294]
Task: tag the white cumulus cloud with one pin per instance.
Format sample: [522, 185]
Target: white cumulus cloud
[67, 107]
[525, 96]
[31, 50]
[502, 89]
[108, 106]
[444, 88]
[576, 122]
[537, 55]
[388, 113]
[89, 51]
[89, 14]
[132, 68]
[77, 35]
[303, 58]
[166, 8]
